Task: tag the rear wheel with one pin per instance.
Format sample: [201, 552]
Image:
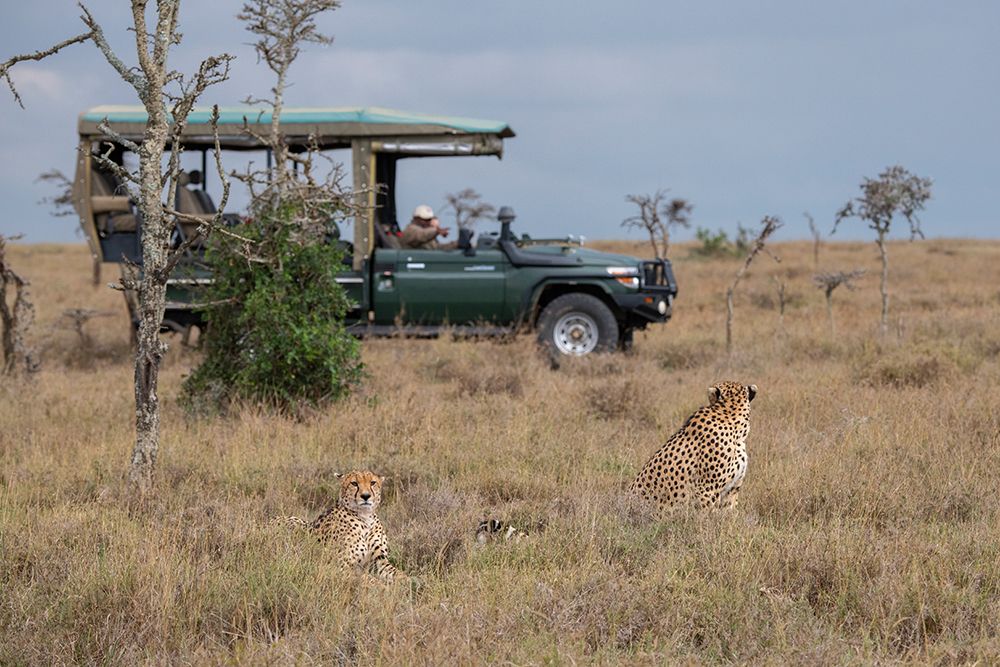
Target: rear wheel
[577, 324]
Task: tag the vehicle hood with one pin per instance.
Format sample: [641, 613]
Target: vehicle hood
[585, 256]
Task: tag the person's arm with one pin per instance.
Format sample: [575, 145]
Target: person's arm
[415, 235]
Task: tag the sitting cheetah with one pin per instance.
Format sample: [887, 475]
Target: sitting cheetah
[352, 525]
[706, 460]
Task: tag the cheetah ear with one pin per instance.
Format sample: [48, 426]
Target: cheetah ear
[714, 395]
[751, 392]
[338, 475]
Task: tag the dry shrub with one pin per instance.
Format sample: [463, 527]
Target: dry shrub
[435, 527]
[768, 299]
[479, 375]
[621, 398]
[591, 366]
[688, 354]
[916, 366]
[796, 348]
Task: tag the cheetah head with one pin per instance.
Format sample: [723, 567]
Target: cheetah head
[360, 491]
[731, 393]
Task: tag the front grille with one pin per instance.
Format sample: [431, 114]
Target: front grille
[658, 275]
[654, 274]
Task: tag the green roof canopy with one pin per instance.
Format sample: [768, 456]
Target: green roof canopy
[331, 126]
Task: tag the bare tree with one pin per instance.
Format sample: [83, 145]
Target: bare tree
[282, 28]
[767, 227]
[828, 282]
[895, 192]
[468, 207]
[77, 318]
[62, 201]
[817, 238]
[657, 216]
[16, 319]
[61, 204]
[168, 98]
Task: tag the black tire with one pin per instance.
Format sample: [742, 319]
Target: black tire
[577, 324]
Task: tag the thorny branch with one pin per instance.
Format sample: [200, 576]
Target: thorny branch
[37, 55]
[768, 226]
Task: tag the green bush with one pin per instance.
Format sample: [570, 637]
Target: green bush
[276, 327]
[713, 245]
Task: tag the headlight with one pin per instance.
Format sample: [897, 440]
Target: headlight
[661, 307]
[626, 275]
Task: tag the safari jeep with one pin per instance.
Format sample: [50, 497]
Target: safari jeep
[578, 300]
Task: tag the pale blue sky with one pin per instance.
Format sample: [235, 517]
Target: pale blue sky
[746, 109]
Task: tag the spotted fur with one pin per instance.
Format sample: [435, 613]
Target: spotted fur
[492, 530]
[704, 463]
[352, 527]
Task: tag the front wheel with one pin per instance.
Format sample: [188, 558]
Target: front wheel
[577, 324]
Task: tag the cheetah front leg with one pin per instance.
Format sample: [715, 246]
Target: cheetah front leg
[708, 499]
[729, 500]
[379, 550]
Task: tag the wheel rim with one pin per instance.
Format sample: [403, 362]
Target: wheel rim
[576, 334]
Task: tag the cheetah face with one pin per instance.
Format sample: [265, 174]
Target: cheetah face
[360, 491]
[732, 393]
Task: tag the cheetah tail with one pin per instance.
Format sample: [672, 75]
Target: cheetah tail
[293, 521]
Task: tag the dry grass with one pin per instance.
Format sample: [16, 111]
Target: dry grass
[867, 530]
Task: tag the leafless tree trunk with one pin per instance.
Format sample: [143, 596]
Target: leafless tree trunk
[150, 80]
[817, 238]
[883, 286]
[768, 225]
[828, 282]
[16, 319]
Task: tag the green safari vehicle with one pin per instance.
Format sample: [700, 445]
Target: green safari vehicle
[578, 300]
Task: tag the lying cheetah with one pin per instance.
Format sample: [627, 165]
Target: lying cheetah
[706, 460]
[494, 530]
[352, 527]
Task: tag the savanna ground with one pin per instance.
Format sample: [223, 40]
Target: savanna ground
[867, 532]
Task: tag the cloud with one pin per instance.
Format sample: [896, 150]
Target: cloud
[33, 80]
[560, 76]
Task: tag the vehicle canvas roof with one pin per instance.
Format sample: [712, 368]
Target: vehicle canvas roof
[331, 126]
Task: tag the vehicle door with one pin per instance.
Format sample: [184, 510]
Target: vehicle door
[448, 286]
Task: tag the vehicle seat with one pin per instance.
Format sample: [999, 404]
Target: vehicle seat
[385, 239]
[112, 210]
[189, 202]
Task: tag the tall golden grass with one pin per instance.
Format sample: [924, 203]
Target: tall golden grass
[867, 532]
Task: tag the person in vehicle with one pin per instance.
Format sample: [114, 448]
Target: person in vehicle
[423, 231]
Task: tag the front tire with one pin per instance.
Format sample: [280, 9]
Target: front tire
[577, 324]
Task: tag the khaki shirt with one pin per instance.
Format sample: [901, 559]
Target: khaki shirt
[415, 236]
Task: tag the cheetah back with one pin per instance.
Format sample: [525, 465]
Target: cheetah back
[705, 461]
